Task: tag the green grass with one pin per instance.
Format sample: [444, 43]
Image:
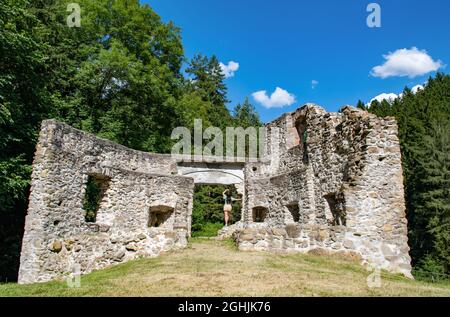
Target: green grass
[216, 268]
[208, 230]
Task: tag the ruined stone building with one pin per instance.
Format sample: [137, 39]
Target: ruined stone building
[334, 182]
[328, 181]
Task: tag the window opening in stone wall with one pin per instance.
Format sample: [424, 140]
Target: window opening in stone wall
[336, 205]
[159, 215]
[294, 210]
[96, 187]
[259, 214]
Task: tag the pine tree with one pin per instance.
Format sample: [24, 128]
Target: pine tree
[245, 115]
[209, 81]
[361, 105]
[433, 197]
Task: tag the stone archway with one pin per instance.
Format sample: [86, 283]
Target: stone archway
[213, 173]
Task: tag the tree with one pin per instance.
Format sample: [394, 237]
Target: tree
[208, 79]
[245, 115]
[361, 105]
[432, 212]
[24, 102]
[381, 109]
[117, 76]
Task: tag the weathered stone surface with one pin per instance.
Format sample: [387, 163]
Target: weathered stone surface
[227, 232]
[348, 244]
[279, 232]
[293, 231]
[141, 236]
[338, 177]
[119, 255]
[171, 235]
[131, 247]
[69, 244]
[205, 173]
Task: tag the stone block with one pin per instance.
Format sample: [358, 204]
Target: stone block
[348, 244]
[56, 246]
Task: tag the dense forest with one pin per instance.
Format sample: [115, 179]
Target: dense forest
[118, 76]
[123, 76]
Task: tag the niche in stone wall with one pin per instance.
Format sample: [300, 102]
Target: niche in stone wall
[293, 214]
[335, 209]
[160, 217]
[96, 187]
[300, 128]
[259, 214]
[301, 136]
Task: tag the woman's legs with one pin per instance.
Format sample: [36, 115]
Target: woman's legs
[227, 217]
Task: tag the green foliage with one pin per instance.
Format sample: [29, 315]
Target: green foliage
[117, 76]
[92, 198]
[424, 130]
[382, 109]
[433, 196]
[208, 80]
[430, 269]
[245, 115]
[23, 104]
[361, 105]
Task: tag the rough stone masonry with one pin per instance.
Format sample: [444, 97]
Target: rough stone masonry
[145, 207]
[329, 182]
[332, 183]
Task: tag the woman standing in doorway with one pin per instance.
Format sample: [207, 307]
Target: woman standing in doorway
[228, 205]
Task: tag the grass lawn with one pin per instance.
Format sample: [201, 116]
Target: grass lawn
[215, 268]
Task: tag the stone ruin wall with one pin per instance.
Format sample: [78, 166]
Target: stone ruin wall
[337, 188]
[329, 181]
[137, 187]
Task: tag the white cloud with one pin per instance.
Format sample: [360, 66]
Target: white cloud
[384, 96]
[280, 98]
[416, 89]
[406, 62]
[390, 97]
[314, 83]
[230, 69]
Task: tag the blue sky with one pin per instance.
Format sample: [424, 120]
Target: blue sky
[290, 43]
